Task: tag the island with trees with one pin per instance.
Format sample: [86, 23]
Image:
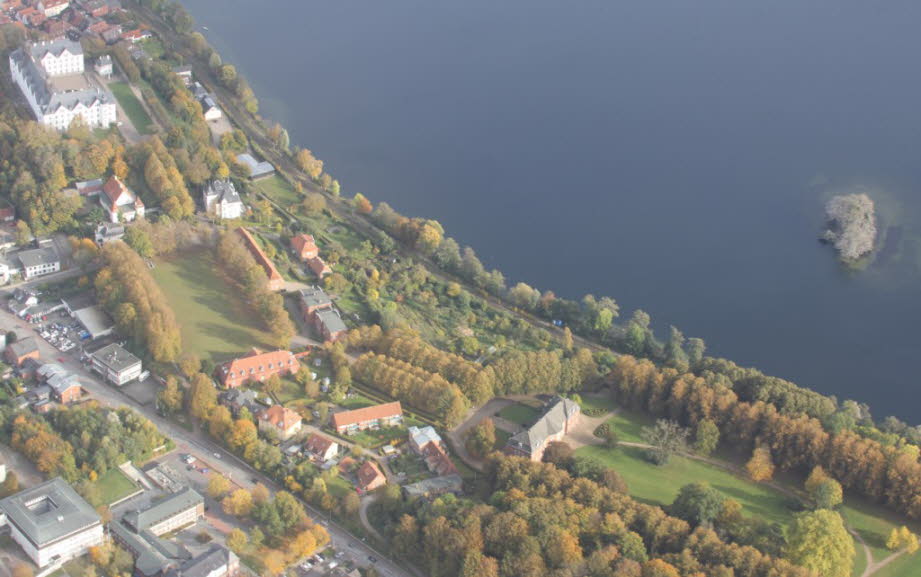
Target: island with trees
[851, 225]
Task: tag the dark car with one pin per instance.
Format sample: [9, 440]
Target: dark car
[372, 558]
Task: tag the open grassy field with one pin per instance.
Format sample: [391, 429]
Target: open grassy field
[518, 413]
[132, 107]
[216, 324]
[660, 485]
[276, 188]
[115, 485]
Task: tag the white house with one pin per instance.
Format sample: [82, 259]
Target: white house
[39, 261]
[51, 522]
[119, 202]
[116, 365]
[221, 199]
[103, 66]
[209, 108]
[51, 8]
[52, 79]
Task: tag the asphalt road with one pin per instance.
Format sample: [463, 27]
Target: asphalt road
[201, 446]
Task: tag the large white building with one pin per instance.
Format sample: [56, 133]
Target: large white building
[221, 199]
[116, 365]
[176, 511]
[51, 522]
[51, 77]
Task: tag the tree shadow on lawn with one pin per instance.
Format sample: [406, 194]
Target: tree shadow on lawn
[238, 337]
[769, 507]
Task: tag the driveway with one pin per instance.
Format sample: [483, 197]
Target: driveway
[458, 435]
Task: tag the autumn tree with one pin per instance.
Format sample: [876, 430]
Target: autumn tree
[706, 437]
[202, 396]
[666, 438]
[902, 538]
[760, 467]
[697, 503]
[218, 485]
[819, 541]
[171, 396]
[308, 163]
[239, 503]
[361, 204]
[481, 439]
[237, 540]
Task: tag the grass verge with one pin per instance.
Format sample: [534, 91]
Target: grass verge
[132, 107]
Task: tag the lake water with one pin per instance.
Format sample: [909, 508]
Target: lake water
[674, 155]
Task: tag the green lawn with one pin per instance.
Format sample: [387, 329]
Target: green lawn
[278, 189]
[357, 401]
[660, 485]
[216, 324]
[290, 391]
[597, 404]
[518, 413]
[132, 107]
[115, 485]
[376, 439]
[874, 524]
[629, 425]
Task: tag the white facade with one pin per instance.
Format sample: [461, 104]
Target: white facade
[61, 64]
[41, 269]
[52, 8]
[118, 377]
[34, 70]
[69, 547]
[179, 520]
[222, 200]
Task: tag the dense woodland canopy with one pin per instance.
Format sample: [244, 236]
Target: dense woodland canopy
[129, 293]
[543, 521]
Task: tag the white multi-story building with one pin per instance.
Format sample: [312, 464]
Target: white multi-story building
[51, 77]
[51, 522]
[116, 365]
[51, 8]
[176, 511]
[221, 199]
[39, 262]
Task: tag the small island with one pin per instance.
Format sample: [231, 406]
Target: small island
[851, 225]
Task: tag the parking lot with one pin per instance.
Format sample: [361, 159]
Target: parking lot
[61, 331]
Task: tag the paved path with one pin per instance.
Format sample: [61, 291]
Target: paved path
[366, 502]
[458, 435]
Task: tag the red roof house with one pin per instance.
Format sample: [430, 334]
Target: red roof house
[282, 421]
[370, 477]
[305, 247]
[257, 366]
[276, 282]
[386, 415]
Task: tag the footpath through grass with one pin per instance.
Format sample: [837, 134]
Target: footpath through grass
[132, 107]
[216, 324]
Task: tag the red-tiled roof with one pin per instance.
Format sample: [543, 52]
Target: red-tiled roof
[264, 261]
[318, 267]
[318, 444]
[304, 245]
[346, 418]
[280, 417]
[114, 188]
[258, 364]
[437, 460]
[368, 474]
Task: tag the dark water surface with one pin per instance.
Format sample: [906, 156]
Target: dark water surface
[674, 155]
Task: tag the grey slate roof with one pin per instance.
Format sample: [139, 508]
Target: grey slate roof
[60, 383]
[48, 99]
[331, 320]
[57, 46]
[223, 190]
[115, 357]
[175, 503]
[436, 485]
[315, 297]
[48, 512]
[202, 566]
[256, 168]
[38, 256]
[152, 555]
[553, 421]
[24, 346]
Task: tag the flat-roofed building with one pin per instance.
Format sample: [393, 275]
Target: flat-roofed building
[215, 562]
[39, 262]
[116, 365]
[174, 512]
[51, 522]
